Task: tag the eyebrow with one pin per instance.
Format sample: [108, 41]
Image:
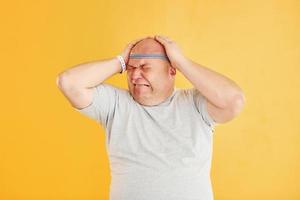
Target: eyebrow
[140, 65]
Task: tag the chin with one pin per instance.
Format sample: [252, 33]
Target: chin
[141, 100]
[143, 103]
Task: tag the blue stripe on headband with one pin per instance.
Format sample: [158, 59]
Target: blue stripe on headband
[159, 56]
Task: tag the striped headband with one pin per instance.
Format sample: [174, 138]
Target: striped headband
[153, 55]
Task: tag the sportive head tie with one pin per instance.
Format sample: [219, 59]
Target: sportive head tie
[153, 55]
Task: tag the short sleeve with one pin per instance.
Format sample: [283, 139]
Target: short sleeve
[103, 103]
[201, 105]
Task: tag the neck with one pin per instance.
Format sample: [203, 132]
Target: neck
[157, 101]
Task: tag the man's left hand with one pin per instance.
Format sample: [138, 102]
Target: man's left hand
[173, 51]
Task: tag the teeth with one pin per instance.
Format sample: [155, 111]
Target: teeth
[140, 84]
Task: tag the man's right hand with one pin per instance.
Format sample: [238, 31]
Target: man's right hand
[126, 51]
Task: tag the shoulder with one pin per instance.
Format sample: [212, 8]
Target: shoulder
[112, 89]
[187, 93]
[119, 94]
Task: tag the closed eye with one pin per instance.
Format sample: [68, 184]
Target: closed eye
[144, 66]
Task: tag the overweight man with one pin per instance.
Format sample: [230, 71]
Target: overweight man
[158, 137]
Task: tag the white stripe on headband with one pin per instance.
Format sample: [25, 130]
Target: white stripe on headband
[159, 56]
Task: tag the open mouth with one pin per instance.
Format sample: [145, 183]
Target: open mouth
[141, 85]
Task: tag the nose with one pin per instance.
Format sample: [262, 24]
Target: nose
[136, 73]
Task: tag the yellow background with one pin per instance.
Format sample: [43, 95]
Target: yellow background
[49, 151]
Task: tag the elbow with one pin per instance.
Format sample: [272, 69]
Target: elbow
[230, 111]
[234, 109]
[238, 103]
[63, 80]
[60, 80]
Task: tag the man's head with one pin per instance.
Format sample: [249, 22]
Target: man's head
[150, 80]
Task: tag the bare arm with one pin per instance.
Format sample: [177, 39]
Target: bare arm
[90, 74]
[76, 83]
[225, 98]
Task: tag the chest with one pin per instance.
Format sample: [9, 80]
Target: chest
[168, 131]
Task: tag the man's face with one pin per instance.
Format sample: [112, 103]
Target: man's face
[150, 80]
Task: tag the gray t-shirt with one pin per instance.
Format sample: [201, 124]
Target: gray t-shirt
[160, 152]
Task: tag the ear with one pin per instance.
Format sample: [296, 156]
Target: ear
[172, 70]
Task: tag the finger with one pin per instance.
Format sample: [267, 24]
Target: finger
[161, 40]
[165, 38]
